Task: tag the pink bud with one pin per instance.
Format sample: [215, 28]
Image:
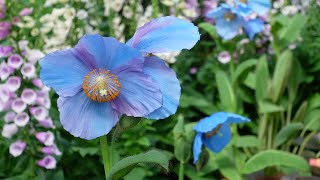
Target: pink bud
[47, 123]
[9, 130]
[47, 162]
[21, 119]
[15, 61]
[5, 51]
[314, 162]
[17, 148]
[51, 150]
[28, 96]
[37, 82]
[26, 11]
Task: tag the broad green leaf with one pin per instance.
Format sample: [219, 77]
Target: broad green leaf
[243, 70]
[226, 94]
[268, 107]
[250, 81]
[271, 158]
[314, 102]
[312, 120]
[294, 80]
[227, 166]
[178, 129]
[209, 28]
[300, 114]
[84, 151]
[124, 166]
[198, 102]
[293, 27]
[246, 141]
[262, 79]
[288, 132]
[281, 75]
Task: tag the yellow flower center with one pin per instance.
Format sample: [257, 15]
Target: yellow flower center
[101, 86]
[229, 16]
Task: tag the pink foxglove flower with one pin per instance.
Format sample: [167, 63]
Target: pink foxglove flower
[21, 119]
[9, 130]
[39, 113]
[5, 51]
[13, 83]
[47, 162]
[28, 70]
[51, 150]
[5, 71]
[224, 57]
[37, 82]
[9, 116]
[17, 148]
[47, 138]
[18, 105]
[15, 61]
[26, 11]
[28, 96]
[47, 123]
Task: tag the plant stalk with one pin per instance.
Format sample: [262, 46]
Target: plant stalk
[105, 155]
[181, 171]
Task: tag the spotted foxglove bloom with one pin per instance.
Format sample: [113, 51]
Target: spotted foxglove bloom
[214, 132]
[9, 116]
[13, 83]
[9, 130]
[229, 20]
[47, 162]
[47, 123]
[260, 7]
[28, 70]
[18, 105]
[51, 150]
[28, 96]
[47, 138]
[17, 148]
[101, 79]
[5, 71]
[21, 119]
[40, 113]
[15, 61]
[5, 51]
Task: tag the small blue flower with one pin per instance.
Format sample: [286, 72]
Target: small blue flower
[214, 132]
[228, 21]
[260, 7]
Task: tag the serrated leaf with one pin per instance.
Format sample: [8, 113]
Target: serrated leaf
[270, 158]
[226, 93]
[262, 79]
[268, 107]
[287, 133]
[124, 166]
[246, 141]
[281, 75]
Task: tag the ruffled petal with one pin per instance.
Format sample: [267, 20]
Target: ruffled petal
[165, 34]
[64, 72]
[235, 118]
[139, 95]
[169, 85]
[107, 52]
[209, 123]
[252, 27]
[197, 147]
[228, 29]
[85, 118]
[217, 142]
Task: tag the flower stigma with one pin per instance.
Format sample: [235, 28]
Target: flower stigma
[101, 86]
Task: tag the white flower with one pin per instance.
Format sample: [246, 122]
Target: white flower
[82, 14]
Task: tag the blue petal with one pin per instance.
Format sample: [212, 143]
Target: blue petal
[217, 142]
[261, 7]
[169, 85]
[217, 12]
[64, 72]
[209, 123]
[235, 118]
[165, 34]
[139, 95]
[108, 52]
[253, 27]
[229, 29]
[85, 118]
[197, 147]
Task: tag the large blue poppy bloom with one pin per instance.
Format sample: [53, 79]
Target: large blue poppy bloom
[100, 79]
[214, 132]
[261, 7]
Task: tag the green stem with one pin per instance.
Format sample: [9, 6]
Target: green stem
[105, 154]
[155, 8]
[289, 113]
[262, 129]
[305, 141]
[181, 171]
[270, 134]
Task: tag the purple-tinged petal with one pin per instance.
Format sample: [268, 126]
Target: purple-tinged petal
[217, 142]
[169, 86]
[28, 70]
[48, 162]
[9, 130]
[18, 105]
[197, 147]
[47, 138]
[51, 150]
[47, 123]
[139, 95]
[13, 83]
[28, 96]
[17, 148]
[21, 119]
[9, 117]
[40, 113]
[15, 61]
[26, 11]
[5, 50]
[5, 71]
[165, 34]
[85, 118]
[64, 72]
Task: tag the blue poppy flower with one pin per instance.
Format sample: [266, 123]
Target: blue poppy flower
[261, 7]
[214, 132]
[101, 79]
[228, 21]
[253, 26]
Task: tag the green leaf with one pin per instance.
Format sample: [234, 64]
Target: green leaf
[198, 102]
[226, 94]
[243, 70]
[124, 166]
[294, 80]
[209, 28]
[246, 141]
[227, 166]
[270, 158]
[268, 107]
[293, 27]
[262, 79]
[300, 114]
[312, 120]
[287, 133]
[281, 75]
[84, 151]
[314, 102]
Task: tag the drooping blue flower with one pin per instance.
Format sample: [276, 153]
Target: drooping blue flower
[101, 79]
[228, 21]
[261, 7]
[214, 132]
